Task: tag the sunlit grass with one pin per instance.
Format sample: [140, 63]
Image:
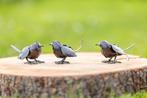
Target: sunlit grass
[121, 22]
[137, 95]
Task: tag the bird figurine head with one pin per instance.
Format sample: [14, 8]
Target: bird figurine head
[56, 44]
[36, 45]
[104, 44]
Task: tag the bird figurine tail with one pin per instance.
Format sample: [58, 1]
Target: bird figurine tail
[129, 47]
[16, 49]
[81, 45]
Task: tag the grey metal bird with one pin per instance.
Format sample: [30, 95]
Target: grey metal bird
[30, 52]
[62, 51]
[111, 50]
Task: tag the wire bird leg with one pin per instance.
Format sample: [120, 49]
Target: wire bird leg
[30, 62]
[62, 61]
[115, 60]
[110, 61]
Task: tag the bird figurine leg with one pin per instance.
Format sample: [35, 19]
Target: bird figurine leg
[62, 61]
[112, 62]
[115, 61]
[30, 62]
[108, 61]
[38, 61]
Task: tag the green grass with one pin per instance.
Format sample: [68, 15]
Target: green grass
[121, 22]
[137, 95]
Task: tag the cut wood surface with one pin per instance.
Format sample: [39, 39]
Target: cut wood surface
[85, 77]
[84, 64]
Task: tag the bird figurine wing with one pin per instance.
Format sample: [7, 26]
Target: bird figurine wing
[68, 51]
[118, 50]
[24, 53]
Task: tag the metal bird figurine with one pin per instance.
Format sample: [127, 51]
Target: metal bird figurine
[111, 50]
[62, 51]
[30, 52]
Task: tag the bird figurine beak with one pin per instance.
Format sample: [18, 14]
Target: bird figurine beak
[51, 44]
[41, 45]
[98, 44]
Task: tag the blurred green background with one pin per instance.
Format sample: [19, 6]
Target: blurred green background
[122, 22]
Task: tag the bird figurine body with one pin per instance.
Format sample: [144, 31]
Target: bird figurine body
[30, 52]
[111, 51]
[62, 51]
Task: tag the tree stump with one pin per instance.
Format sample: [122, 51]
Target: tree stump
[85, 77]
